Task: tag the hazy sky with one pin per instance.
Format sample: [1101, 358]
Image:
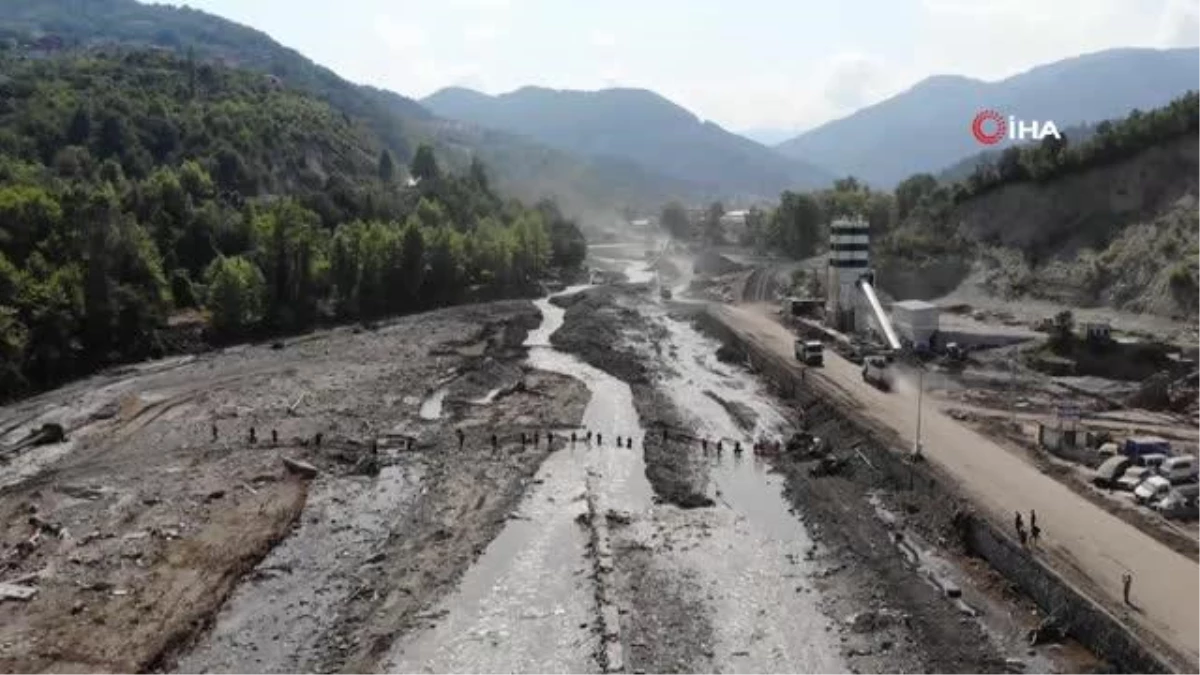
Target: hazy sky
[741, 63]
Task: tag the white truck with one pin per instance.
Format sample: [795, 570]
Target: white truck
[810, 352]
[876, 371]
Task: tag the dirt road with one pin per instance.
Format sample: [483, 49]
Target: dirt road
[1089, 546]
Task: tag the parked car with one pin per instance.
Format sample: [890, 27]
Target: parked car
[1111, 470]
[1133, 476]
[1178, 505]
[1181, 469]
[1151, 490]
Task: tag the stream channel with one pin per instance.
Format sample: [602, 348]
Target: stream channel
[529, 605]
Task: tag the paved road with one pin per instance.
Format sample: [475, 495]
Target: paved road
[1085, 543]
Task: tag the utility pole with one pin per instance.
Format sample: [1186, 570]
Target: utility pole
[920, 398]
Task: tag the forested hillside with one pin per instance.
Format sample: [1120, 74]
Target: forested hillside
[524, 167]
[1092, 222]
[136, 183]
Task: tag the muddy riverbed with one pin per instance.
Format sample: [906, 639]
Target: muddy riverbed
[602, 510]
[784, 571]
[161, 531]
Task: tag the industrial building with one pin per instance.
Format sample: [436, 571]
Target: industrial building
[916, 322]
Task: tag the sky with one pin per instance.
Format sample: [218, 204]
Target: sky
[744, 64]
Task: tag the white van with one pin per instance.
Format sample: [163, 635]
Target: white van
[1179, 469]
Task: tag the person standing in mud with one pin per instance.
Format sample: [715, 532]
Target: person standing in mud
[720, 448]
[1034, 533]
[665, 437]
[629, 442]
[274, 437]
[704, 445]
[524, 440]
[572, 438]
[589, 437]
[619, 444]
[495, 444]
[1126, 582]
[1018, 523]
[1032, 520]
[253, 436]
[599, 438]
[214, 432]
[737, 447]
[461, 438]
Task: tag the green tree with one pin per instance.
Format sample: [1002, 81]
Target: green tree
[424, 166]
[911, 191]
[675, 221]
[236, 293]
[796, 224]
[713, 232]
[387, 166]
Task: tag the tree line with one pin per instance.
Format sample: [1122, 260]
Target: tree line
[136, 184]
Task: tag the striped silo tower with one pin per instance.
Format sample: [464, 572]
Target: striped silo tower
[849, 260]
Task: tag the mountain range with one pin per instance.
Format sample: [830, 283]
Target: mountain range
[603, 150]
[636, 125]
[927, 128]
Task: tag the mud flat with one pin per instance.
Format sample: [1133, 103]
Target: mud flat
[742, 583]
[148, 543]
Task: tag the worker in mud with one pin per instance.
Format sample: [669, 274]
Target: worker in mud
[704, 445]
[720, 448]
[619, 443]
[1022, 536]
[274, 437]
[1126, 582]
[572, 438]
[461, 438]
[1034, 533]
[253, 436]
[1032, 520]
[737, 447]
[524, 440]
[599, 438]
[549, 438]
[536, 438]
[319, 436]
[1018, 523]
[664, 434]
[629, 442]
[589, 437]
[214, 432]
[496, 443]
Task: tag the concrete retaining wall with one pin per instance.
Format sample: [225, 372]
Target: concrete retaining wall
[1080, 617]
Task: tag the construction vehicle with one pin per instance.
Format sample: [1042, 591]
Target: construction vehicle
[810, 352]
[876, 371]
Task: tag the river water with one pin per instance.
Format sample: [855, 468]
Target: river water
[528, 604]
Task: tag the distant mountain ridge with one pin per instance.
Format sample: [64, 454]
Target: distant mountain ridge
[522, 166]
[635, 125]
[927, 128]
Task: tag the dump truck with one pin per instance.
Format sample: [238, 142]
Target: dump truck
[876, 371]
[810, 352]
